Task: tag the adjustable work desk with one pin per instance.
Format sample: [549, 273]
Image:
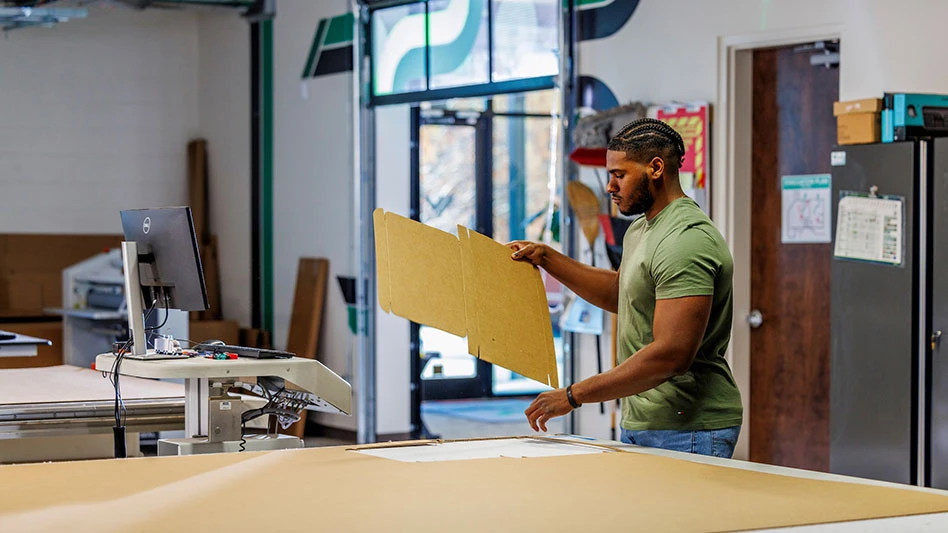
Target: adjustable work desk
[211, 414]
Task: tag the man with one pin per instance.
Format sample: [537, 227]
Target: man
[672, 294]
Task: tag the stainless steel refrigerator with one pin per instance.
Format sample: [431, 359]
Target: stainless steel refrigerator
[888, 370]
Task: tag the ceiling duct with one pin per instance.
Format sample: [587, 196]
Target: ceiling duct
[23, 16]
[16, 14]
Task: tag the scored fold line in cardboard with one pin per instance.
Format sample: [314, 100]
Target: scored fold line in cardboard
[467, 286]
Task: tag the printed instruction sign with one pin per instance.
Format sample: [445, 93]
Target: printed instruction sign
[870, 229]
[806, 209]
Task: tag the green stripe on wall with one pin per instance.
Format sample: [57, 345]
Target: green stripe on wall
[314, 50]
[266, 173]
[340, 30]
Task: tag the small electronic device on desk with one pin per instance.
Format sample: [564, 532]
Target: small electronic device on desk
[162, 267]
[244, 351]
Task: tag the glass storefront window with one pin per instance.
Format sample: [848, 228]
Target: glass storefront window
[457, 31]
[525, 39]
[398, 49]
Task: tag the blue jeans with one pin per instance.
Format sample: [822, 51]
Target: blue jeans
[716, 442]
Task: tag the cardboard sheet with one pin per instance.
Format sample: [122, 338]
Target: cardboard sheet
[507, 314]
[335, 489]
[419, 273]
[467, 286]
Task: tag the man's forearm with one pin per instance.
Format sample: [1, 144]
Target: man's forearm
[597, 286]
[646, 370]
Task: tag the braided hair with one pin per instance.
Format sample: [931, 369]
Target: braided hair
[645, 138]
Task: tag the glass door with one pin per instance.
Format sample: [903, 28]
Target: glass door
[485, 164]
[451, 180]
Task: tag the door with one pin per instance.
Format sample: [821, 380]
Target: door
[793, 132]
[452, 185]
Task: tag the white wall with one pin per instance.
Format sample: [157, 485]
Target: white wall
[393, 176]
[96, 118]
[312, 180]
[224, 103]
[886, 46]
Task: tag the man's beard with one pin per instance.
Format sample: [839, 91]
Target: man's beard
[643, 199]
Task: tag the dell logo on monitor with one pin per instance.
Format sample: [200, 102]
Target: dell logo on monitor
[146, 225]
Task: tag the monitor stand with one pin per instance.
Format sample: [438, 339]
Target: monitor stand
[133, 298]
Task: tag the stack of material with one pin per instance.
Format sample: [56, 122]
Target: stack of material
[307, 317]
[206, 325]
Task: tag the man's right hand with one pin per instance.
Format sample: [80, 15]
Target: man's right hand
[535, 253]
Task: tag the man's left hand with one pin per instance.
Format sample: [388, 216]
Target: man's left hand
[547, 405]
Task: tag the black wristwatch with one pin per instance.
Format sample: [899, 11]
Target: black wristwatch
[569, 397]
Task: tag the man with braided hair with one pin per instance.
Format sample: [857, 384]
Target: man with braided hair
[672, 294]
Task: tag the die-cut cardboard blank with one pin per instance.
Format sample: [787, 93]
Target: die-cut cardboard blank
[468, 287]
[419, 273]
[508, 319]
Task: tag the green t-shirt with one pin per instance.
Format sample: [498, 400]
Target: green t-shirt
[676, 254]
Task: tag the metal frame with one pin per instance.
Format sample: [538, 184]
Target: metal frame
[568, 80]
[364, 203]
[467, 91]
[922, 274]
[364, 179]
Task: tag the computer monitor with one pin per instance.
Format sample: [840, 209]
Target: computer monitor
[162, 264]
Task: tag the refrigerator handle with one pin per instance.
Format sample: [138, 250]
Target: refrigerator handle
[936, 339]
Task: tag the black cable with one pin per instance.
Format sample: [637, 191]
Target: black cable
[163, 322]
[121, 413]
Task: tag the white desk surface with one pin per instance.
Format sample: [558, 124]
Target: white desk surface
[66, 383]
[307, 374]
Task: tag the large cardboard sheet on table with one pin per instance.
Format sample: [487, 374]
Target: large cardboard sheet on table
[339, 489]
[467, 286]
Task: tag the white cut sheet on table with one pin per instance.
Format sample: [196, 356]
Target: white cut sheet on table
[482, 449]
[869, 229]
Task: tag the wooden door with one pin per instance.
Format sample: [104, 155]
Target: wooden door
[793, 131]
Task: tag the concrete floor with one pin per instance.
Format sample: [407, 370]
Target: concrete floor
[448, 427]
[451, 427]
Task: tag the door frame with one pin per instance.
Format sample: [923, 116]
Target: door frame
[731, 188]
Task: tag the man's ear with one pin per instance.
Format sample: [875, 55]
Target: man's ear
[656, 167]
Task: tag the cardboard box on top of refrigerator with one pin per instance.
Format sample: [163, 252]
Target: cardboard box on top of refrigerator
[858, 121]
